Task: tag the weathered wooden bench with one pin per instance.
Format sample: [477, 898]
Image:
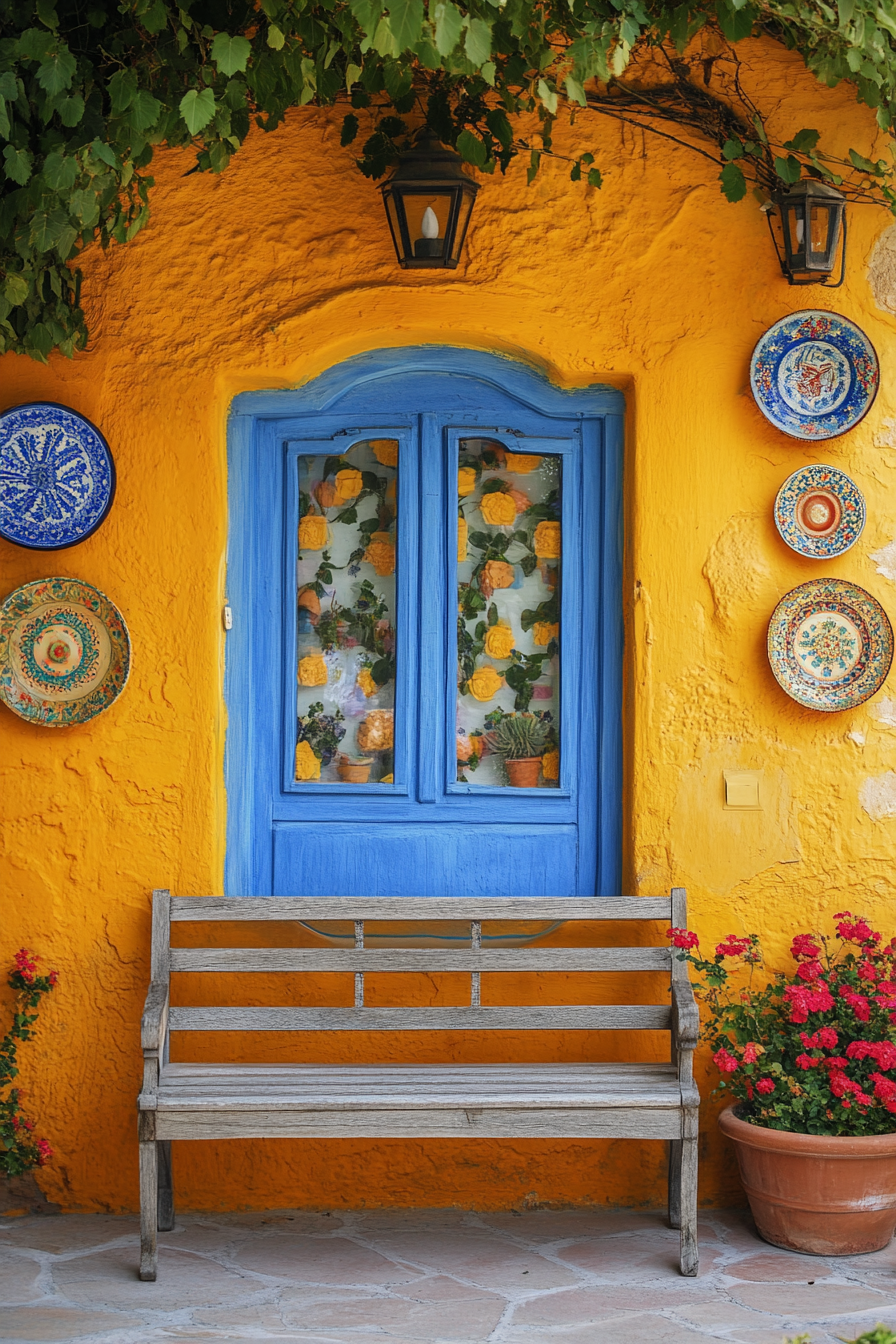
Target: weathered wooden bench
[576, 1101]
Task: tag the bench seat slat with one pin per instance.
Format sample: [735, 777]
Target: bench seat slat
[421, 1084]
[572, 1122]
[426, 960]
[176, 1075]
[610, 1017]
[315, 908]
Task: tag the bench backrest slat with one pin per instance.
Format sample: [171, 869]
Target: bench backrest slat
[472, 951]
[237, 908]
[423, 960]
[646, 1017]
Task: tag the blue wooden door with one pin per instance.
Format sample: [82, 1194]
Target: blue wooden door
[424, 575]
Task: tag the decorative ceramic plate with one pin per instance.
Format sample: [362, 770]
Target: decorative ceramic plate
[57, 477]
[64, 652]
[830, 644]
[814, 374]
[820, 512]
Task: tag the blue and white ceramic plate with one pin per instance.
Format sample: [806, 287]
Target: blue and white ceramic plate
[830, 644]
[820, 512]
[814, 374]
[65, 654]
[57, 477]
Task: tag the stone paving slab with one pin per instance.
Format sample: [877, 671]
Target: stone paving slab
[427, 1276]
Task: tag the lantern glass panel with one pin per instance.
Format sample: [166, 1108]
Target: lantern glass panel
[428, 216]
[795, 223]
[394, 214]
[821, 219]
[465, 209]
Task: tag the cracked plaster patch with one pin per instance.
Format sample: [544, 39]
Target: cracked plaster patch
[885, 560]
[736, 569]
[884, 711]
[878, 796]
[885, 437]
[882, 271]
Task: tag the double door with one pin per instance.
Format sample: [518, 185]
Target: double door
[420, 587]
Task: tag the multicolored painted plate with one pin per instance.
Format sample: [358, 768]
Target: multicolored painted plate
[814, 374]
[820, 512]
[830, 644]
[57, 477]
[65, 654]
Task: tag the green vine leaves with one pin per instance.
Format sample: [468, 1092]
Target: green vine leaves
[89, 88]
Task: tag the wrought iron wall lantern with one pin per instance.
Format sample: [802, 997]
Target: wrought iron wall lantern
[812, 224]
[429, 200]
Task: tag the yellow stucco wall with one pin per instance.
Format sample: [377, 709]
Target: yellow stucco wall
[263, 278]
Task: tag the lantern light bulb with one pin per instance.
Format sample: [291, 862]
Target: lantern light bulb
[430, 224]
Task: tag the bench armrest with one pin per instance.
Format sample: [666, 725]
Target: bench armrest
[685, 1015]
[154, 1024]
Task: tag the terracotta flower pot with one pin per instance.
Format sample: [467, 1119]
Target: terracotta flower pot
[815, 1193]
[354, 772]
[523, 773]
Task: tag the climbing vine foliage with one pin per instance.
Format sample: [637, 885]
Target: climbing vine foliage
[89, 89]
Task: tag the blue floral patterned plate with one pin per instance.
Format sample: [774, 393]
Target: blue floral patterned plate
[65, 654]
[57, 477]
[814, 374]
[830, 644]
[820, 512]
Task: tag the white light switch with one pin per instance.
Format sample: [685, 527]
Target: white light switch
[742, 789]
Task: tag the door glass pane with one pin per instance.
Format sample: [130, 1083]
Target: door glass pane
[346, 614]
[508, 628]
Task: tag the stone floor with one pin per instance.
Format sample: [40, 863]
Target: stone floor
[436, 1276]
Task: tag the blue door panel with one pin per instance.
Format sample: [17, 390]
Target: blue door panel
[427, 834]
[424, 860]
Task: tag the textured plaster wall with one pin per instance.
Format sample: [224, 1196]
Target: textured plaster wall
[263, 278]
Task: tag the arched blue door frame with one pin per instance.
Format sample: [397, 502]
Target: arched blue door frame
[365, 384]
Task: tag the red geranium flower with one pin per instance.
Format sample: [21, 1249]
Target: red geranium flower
[683, 938]
[724, 1062]
[804, 945]
[733, 946]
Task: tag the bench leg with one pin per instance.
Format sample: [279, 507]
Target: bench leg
[149, 1210]
[675, 1183]
[690, 1254]
[166, 1189]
